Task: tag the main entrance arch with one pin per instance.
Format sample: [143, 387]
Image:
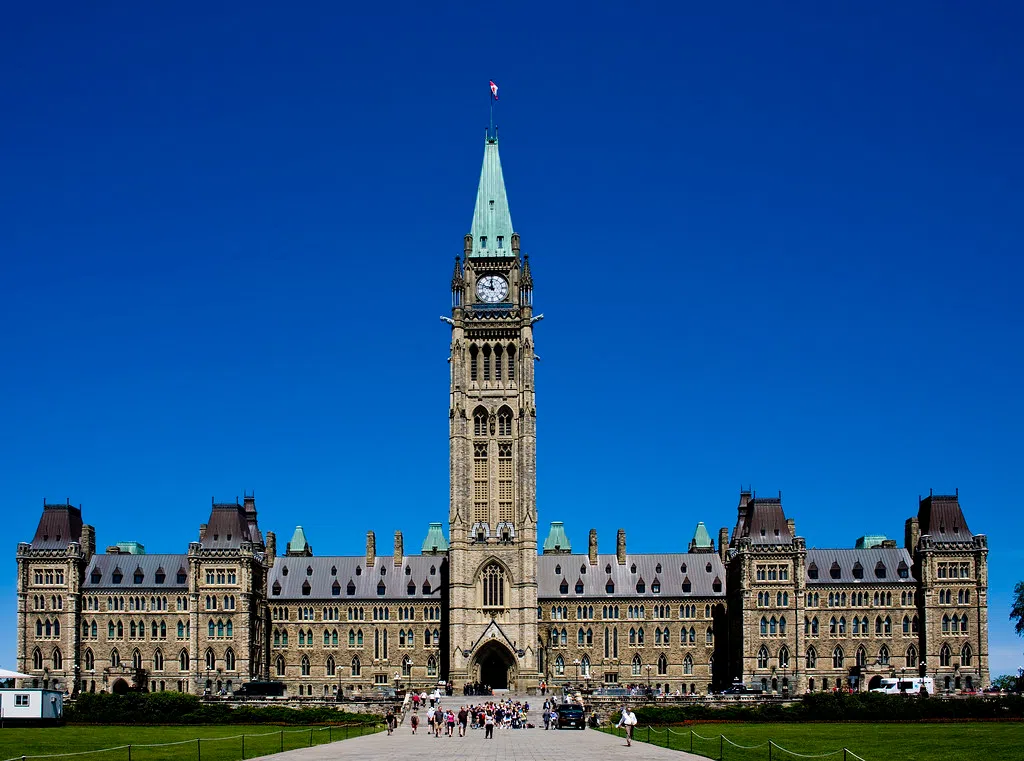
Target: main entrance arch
[494, 665]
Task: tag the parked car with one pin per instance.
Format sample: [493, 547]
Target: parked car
[740, 689]
[571, 715]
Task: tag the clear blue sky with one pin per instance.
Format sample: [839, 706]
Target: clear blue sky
[774, 248]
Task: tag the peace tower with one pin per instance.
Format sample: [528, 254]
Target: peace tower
[492, 604]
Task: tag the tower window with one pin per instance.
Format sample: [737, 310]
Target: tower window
[487, 362]
[483, 239]
[511, 362]
[501, 241]
[493, 586]
[498, 362]
[472, 362]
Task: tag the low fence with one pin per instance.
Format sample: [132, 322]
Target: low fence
[260, 744]
[685, 741]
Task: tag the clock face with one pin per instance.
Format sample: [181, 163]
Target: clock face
[492, 288]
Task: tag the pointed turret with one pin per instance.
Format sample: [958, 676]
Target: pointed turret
[491, 231]
[298, 546]
[435, 543]
[701, 541]
[557, 542]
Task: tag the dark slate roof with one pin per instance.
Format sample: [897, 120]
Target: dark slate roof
[846, 560]
[595, 579]
[58, 526]
[321, 580]
[767, 522]
[940, 517]
[149, 564]
[228, 527]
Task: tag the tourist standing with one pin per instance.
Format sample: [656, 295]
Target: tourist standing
[489, 726]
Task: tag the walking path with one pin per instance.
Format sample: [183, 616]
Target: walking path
[508, 744]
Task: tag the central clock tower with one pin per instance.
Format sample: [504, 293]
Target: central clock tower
[493, 502]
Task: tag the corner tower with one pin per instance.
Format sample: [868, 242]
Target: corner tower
[493, 509]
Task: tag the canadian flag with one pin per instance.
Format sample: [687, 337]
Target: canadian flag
[494, 90]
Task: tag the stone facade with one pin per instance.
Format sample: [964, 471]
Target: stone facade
[483, 605]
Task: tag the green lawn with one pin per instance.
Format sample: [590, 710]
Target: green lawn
[992, 741]
[217, 743]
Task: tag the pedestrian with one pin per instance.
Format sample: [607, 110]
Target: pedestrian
[463, 720]
[450, 720]
[414, 721]
[547, 718]
[489, 726]
[627, 720]
[430, 720]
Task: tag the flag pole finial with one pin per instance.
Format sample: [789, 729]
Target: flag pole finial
[491, 132]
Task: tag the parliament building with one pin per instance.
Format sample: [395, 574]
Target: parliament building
[489, 603]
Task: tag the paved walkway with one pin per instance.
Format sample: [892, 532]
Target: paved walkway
[508, 744]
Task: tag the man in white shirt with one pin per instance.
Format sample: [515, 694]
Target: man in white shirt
[627, 720]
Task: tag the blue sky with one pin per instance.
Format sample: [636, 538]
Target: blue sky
[777, 248]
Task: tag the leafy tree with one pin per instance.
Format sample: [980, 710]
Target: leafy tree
[1017, 611]
[1006, 682]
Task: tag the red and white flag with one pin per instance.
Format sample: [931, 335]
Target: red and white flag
[494, 90]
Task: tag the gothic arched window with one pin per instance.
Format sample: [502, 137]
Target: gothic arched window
[493, 586]
[480, 422]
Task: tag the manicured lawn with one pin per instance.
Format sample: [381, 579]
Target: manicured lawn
[218, 743]
[991, 741]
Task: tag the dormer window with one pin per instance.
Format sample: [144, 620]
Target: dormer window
[583, 569]
[383, 570]
[682, 568]
[336, 588]
[880, 570]
[903, 571]
[812, 571]
[708, 568]
[501, 241]
[834, 571]
[657, 568]
[858, 570]
[411, 589]
[284, 570]
[138, 577]
[351, 589]
[306, 588]
[483, 239]
[309, 570]
[276, 589]
[686, 585]
[161, 577]
[182, 578]
[655, 586]
[381, 589]
[95, 578]
[610, 587]
[579, 586]
[359, 570]
[632, 568]
[716, 585]
[608, 568]
[564, 587]
[426, 587]
[408, 571]
[641, 587]
[762, 532]
[116, 578]
[433, 570]
[558, 570]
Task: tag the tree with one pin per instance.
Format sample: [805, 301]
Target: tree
[1006, 682]
[1017, 611]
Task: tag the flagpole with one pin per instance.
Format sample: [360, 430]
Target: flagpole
[490, 98]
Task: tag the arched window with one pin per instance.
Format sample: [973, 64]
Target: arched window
[637, 665]
[431, 666]
[183, 660]
[762, 657]
[965, 655]
[90, 660]
[498, 358]
[812, 658]
[511, 359]
[356, 666]
[911, 657]
[330, 665]
[211, 660]
[784, 657]
[662, 665]
[406, 666]
[837, 658]
[136, 659]
[480, 422]
[57, 659]
[473, 362]
[945, 655]
[305, 665]
[493, 586]
[862, 657]
[487, 362]
[585, 666]
[158, 660]
[883, 656]
[504, 422]
[687, 665]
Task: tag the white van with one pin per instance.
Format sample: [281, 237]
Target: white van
[908, 686]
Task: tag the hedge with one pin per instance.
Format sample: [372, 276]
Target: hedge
[179, 708]
[827, 706]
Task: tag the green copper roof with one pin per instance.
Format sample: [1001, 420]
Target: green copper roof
[435, 541]
[298, 542]
[701, 537]
[557, 541]
[131, 548]
[868, 541]
[492, 223]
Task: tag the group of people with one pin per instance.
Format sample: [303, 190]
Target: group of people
[503, 713]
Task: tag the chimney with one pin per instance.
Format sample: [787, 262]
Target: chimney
[723, 542]
[911, 534]
[271, 547]
[113, 550]
[620, 546]
[592, 549]
[399, 548]
[791, 525]
[371, 549]
[202, 531]
[88, 541]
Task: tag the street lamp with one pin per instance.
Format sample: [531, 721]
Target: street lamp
[576, 663]
[648, 678]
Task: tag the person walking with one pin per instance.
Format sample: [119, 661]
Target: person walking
[489, 726]
[546, 715]
[463, 720]
[627, 720]
[414, 721]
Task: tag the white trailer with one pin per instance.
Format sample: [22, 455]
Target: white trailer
[31, 704]
[906, 686]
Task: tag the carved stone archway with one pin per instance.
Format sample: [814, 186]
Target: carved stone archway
[494, 665]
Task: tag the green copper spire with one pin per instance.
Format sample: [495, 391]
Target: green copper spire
[701, 541]
[557, 542]
[298, 544]
[492, 224]
[435, 543]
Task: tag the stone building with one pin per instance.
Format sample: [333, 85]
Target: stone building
[483, 605]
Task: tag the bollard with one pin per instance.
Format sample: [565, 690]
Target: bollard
[282, 741]
[199, 749]
[243, 746]
[129, 752]
[721, 748]
[769, 750]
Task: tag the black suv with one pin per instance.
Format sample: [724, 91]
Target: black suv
[571, 715]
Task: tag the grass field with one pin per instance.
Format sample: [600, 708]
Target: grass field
[217, 743]
[992, 741]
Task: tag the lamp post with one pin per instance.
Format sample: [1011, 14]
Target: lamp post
[648, 679]
[576, 663]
